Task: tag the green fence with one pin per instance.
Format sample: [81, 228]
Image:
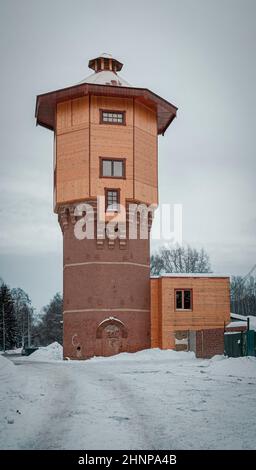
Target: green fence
[240, 344]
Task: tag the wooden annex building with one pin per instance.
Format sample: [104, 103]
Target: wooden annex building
[190, 308]
[106, 145]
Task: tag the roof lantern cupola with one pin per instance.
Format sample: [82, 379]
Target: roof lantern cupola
[105, 62]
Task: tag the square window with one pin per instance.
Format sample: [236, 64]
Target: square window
[114, 117]
[112, 168]
[112, 200]
[183, 299]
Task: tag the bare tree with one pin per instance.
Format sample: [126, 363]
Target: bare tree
[179, 259]
[243, 295]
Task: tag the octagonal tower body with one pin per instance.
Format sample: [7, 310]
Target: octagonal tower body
[105, 145]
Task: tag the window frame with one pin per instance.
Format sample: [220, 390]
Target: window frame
[111, 159]
[183, 289]
[113, 111]
[117, 190]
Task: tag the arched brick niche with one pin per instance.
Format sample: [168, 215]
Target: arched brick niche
[111, 321]
[111, 337]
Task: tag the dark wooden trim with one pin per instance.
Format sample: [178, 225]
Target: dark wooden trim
[182, 289]
[133, 145]
[47, 126]
[118, 198]
[55, 176]
[89, 143]
[162, 131]
[157, 186]
[118, 111]
[166, 111]
[123, 160]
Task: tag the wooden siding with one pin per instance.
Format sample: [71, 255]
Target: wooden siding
[145, 158]
[111, 141]
[72, 151]
[81, 140]
[211, 307]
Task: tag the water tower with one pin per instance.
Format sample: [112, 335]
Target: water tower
[105, 145]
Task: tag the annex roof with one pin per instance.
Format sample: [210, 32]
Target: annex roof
[190, 275]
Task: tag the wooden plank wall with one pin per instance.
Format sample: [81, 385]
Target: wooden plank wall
[211, 306]
[145, 141]
[115, 141]
[81, 140]
[72, 149]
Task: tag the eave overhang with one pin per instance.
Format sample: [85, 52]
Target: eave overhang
[46, 103]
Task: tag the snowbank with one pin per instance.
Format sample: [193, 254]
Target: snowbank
[13, 351]
[53, 352]
[151, 355]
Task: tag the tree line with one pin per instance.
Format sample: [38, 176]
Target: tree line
[20, 327]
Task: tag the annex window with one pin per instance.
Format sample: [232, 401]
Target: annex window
[112, 200]
[112, 168]
[112, 117]
[183, 299]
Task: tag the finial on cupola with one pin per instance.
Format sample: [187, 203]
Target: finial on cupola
[105, 62]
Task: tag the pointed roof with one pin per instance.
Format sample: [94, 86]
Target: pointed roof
[106, 77]
[104, 82]
[105, 71]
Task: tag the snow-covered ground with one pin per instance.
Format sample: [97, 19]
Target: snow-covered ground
[148, 400]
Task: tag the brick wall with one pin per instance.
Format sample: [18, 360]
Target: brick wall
[207, 343]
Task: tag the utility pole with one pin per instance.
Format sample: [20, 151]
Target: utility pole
[28, 320]
[3, 327]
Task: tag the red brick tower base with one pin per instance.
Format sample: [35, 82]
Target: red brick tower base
[106, 294]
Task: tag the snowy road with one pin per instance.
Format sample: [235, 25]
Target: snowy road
[148, 400]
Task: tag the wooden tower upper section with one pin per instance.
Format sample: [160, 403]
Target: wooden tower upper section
[105, 137]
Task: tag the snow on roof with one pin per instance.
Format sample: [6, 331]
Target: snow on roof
[236, 324]
[252, 319]
[104, 55]
[105, 77]
[189, 275]
[238, 317]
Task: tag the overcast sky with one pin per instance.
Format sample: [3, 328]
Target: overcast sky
[198, 54]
